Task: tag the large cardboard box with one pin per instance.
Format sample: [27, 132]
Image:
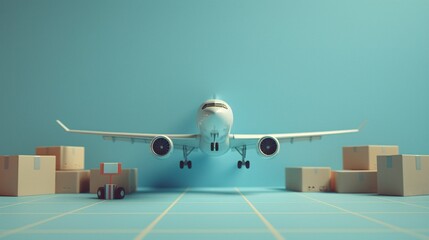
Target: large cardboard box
[308, 179]
[365, 157]
[25, 175]
[357, 181]
[68, 157]
[72, 181]
[126, 179]
[403, 175]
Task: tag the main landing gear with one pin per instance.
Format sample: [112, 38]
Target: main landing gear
[186, 162]
[243, 161]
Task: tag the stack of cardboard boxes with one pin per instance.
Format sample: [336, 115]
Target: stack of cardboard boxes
[359, 174]
[366, 169]
[70, 163]
[58, 169]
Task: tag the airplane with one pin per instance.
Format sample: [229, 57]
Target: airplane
[214, 120]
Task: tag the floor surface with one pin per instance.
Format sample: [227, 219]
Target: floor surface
[215, 213]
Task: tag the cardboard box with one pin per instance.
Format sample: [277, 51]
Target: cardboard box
[25, 175]
[74, 181]
[126, 179]
[403, 175]
[358, 181]
[365, 157]
[68, 157]
[308, 179]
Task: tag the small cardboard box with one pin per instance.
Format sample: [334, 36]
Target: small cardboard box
[365, 157]
[72, 181]
[308, 179]
[25, 175]
[126, 179]
[357, 181]
[403, 175]
[68, 157]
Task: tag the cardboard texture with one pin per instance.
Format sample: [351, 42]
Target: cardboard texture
[126, 179]
[365, 157]
[25, 175]
[308, 179]
[403, 175]
[76, 181]
[68, 157]
[357, 181]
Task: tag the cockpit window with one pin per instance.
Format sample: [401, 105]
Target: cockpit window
[219, 105]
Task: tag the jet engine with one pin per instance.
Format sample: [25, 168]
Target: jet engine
[161, 146]
[268, 147]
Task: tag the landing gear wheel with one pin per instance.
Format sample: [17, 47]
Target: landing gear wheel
[217, 147]
[119, 193]
[239, 164]
[189, 164]
[182, 164]
[212, 147]
[101, 194]
[247, 163]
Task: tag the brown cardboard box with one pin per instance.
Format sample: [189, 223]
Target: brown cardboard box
[25, 175]
[72, 181]
[126, 179]
[68, 157]
[357, 181]
[365, 157]
[308, 179]
[403, 175]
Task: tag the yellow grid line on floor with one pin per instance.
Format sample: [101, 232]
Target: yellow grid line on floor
[390, 226]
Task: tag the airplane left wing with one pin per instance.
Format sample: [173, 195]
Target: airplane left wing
[179, 140]
[251, 140]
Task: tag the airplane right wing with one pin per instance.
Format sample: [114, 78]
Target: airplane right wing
[268, 145]
[238, 140]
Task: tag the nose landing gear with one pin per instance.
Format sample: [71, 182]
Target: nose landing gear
[214, 146]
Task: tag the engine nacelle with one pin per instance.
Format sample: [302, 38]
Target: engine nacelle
[268, 147]
[162, 146]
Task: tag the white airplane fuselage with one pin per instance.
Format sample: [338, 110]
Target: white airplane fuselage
[215, 119]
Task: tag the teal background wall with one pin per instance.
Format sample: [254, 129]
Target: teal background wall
[146, 66]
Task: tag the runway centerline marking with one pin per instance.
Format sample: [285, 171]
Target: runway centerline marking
[152, 225]
[270, 227]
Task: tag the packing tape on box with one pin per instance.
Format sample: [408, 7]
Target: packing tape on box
[6, 163]
[110, 168]
[389, 163]
[418, 163]
[36, 162]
